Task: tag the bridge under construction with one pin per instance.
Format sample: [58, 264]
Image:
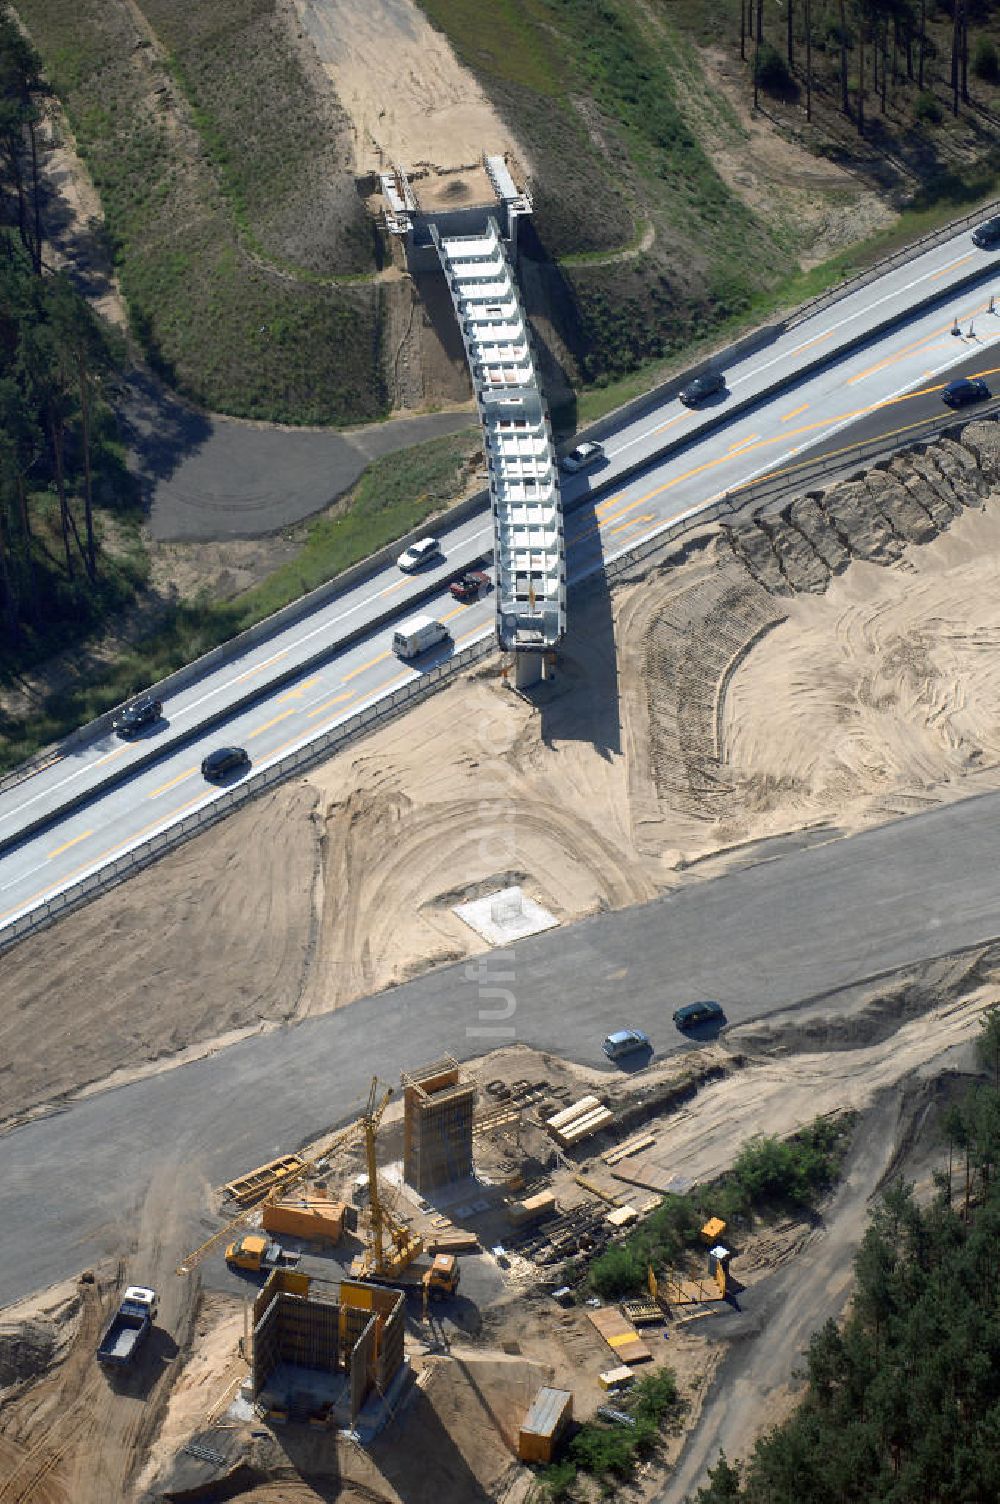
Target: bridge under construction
[475, 246]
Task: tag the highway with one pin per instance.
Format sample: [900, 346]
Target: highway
[825, 916]
[890, 385]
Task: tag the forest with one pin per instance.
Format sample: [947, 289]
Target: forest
[903, 1400]
[58, 446]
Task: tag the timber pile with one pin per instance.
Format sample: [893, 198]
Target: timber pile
[579, 1121]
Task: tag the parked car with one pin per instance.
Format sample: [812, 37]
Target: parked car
[625, 1042]
[968, 389]
[145, 711]
[701, 387]
[582, 457]
[698, 1013]
[987, 235]
[224, 760]
[425, 551]
[470, 586]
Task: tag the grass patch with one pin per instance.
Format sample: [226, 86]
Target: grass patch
[769, 1176]
[394, 494]
[198, 190]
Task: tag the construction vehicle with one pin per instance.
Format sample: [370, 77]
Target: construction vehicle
[259, 1254]
[264, 1186]
[129, 1327]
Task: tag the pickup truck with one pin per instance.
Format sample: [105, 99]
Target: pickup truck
[129, 1328]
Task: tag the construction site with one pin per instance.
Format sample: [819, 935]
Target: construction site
[402, 1307]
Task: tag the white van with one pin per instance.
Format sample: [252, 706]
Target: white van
[415, 636]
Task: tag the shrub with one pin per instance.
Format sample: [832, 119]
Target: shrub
[986, 61]
[927, 109]
[772, 71]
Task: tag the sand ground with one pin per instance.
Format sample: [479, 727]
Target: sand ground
[746, 686]
[409, 99]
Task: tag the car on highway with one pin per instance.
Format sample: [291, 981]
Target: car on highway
[969, 389]
[701, 387]
[145, 711]
[224, 760]
[418, 555]
[625, 1042]
[582, 457]
[987, 235]
[698, 1013]
[469, 586]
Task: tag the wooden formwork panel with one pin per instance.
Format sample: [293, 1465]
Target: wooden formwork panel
[621, 1336]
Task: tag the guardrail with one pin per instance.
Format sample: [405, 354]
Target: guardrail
[145, 852]
[757, 338]
[749, 497]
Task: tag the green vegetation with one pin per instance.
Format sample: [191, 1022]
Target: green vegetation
[610, 1453]
[62, 477]
[394, 495]
[209, 201]
[903, 1403]
[769, 1175]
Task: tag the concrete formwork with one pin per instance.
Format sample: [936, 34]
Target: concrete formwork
[359, 1335]
[438, 1106]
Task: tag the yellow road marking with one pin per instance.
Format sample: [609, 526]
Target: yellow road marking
[370, 664]
[794, 412]
[164, 786]
[109, 756]
[671, 421]
[391, 589]
[337, 700]
[299, 691]
[946, 271]
[262, 666]
[75, 842]
[817, 341]
[268, 724]
[740, 442]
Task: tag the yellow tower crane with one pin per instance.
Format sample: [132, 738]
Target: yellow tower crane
[377, 1260]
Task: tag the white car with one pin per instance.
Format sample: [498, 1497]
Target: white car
[581, 457]
[424, 551]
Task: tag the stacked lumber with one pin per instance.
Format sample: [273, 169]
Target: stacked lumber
[631, 1146]
[578, 1121]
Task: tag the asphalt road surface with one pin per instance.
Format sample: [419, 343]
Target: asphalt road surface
[758, 940]
[890, 385]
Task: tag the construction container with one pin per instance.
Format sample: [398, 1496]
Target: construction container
[616, 1378]
[543, 1426]
[532, 1209]
[317, 1219]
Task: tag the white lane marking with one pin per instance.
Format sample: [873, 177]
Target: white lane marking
[814, 339]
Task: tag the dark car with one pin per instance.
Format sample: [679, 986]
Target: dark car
[145, 711]
[961, 393]
[987, 235]
[698, 1013]
[469, 586]
[224, 760]
[701, 387]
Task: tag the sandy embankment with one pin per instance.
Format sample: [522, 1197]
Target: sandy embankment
[733, 693]
[409, 98]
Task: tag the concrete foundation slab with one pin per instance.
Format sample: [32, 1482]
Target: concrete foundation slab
[307, 1391]
[506, 916]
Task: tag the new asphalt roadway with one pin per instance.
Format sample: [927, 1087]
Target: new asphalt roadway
[889, 385]
[781, 932]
